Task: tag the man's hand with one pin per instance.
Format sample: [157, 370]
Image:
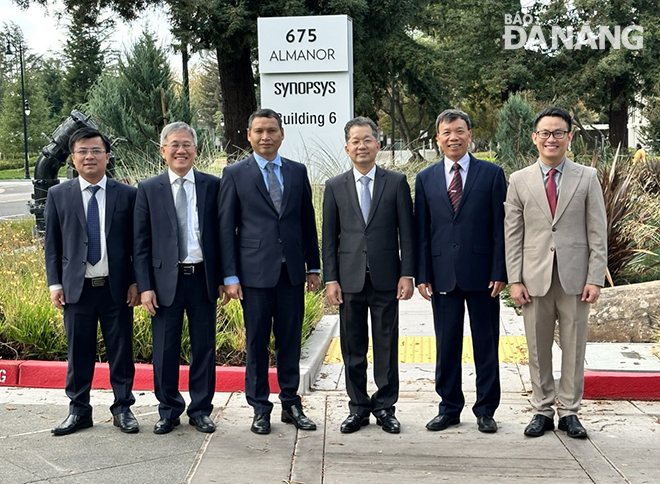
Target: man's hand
[590, 293]
[497, 287]
[333, 293]
[425, 290]
[313, 282]
[57, 298]
[148, 299]
[405, 289]
[234, 291]
[519, 294]
[222, 294]
[132, 298]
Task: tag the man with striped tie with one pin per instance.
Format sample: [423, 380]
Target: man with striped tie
[459, 221]
[89, 247]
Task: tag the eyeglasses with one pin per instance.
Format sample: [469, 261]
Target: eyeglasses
[557, 134]
[93, 152]
[176, 146]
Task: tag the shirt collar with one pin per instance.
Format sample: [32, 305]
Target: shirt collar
[371, 174]
[262, 161]
[84, 183]
[464, 162]
[190, 176]
[545, 168]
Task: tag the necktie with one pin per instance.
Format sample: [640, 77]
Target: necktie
[181, 205]
[274, 188]
[365, 197]
[455, 187]
[551, 191]
[93, 228]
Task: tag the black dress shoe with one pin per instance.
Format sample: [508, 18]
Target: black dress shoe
[126, 422]
[261, 423]
[72, 424]
[296, 416]
[538, 425]
[203, 423]
[353, 423]
[388, 421]
[166, 425]
[486, 424]
[572, 426]
[441, 422]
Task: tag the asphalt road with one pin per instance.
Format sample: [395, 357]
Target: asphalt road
[14, 197]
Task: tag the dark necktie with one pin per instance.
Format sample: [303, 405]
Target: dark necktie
[181, 205]
[274, 188]
[93, 228]
[551, 191]
[365, 197]
[455, 187]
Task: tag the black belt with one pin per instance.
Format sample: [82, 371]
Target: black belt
[189, 269]
[97, 281]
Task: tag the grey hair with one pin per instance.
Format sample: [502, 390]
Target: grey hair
[449, 115]
[177, 126]
[360, 121]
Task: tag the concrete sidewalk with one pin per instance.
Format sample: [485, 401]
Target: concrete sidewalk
[624, 437]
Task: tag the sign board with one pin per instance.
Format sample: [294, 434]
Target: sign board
[306, 67]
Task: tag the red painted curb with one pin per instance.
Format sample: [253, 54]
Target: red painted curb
[52, 374]
[623, 385]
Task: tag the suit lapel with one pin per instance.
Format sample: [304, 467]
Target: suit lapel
[255, 172]
[534, 180]
[379, 186]
[287, 174]
[110, 201]
[168, 200]
[442, 184]
[349, 181]
[201, 192]
[570, 180]
[75, 197]
[472, 177]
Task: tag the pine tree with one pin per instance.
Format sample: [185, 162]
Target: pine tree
[514, 134]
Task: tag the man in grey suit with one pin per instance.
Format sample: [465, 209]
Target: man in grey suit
[367, 220]
[556, 258]
[88, 247]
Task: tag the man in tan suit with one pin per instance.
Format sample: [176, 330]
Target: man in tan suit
[556, 257]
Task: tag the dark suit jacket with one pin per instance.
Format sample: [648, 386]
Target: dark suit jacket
[156, 244]
[465, 248]
[348, 243]
[255, 237]
[66, 238]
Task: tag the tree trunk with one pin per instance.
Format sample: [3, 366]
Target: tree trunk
[618, 115]
[238, 101]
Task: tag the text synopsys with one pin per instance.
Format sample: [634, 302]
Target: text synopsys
[304, 87]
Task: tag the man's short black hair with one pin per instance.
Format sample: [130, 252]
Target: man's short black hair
[451, 115]
[556, 112]
[87, 133]
[265, 113]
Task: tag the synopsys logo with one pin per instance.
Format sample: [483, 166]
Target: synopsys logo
[285, 89]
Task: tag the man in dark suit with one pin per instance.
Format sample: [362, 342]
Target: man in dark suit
[88, 246]
[268, 239]
[459, 218]
[367, 219]
[177, 267]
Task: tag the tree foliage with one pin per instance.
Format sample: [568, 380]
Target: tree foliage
[515, 148]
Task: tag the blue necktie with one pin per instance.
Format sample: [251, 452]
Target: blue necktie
[93, 228]
[274, 187]
[365, 197]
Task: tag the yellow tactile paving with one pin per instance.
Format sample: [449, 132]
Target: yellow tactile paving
[421, 349]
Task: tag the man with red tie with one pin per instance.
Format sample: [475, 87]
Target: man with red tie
[459, 220]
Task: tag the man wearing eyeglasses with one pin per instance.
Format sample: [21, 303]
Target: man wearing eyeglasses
[177, 267]
[89, 247]
[556, 257]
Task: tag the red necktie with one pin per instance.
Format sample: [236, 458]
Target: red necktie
[551, 191]
[455, 187]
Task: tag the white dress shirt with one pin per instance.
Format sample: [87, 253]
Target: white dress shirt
[194, 248]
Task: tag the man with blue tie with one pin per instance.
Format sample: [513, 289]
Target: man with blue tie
[459, 218]
[177, 267]
[269, 251]
[88, 247]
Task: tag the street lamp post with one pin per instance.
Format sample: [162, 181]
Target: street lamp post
[25, 106]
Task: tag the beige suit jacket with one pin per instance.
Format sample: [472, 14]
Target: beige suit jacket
[577, 234]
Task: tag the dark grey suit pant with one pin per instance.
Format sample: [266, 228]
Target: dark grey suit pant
[354, 338]
[81, 322]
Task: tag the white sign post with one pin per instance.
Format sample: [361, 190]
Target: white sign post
[306, 67]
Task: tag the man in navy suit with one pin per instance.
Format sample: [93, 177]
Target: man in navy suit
[177, 267]
[459, 218]
[269, 250]
[88, 247]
